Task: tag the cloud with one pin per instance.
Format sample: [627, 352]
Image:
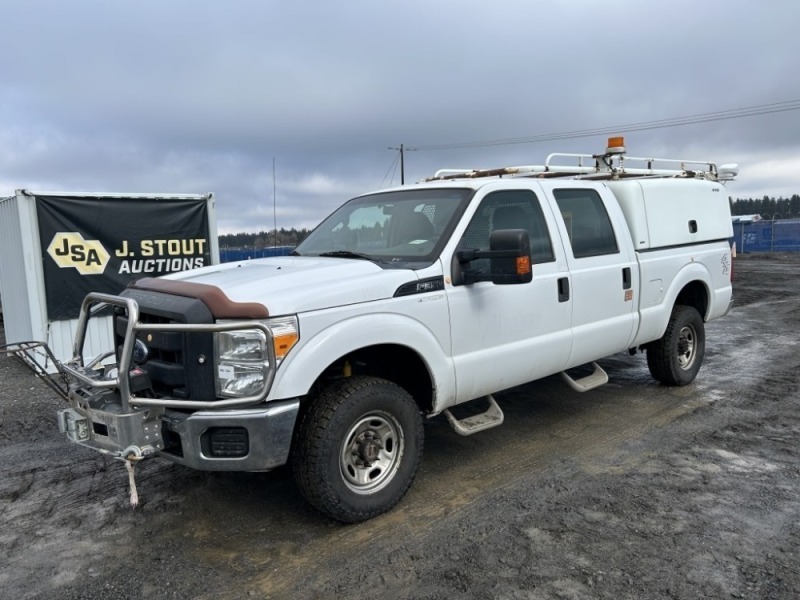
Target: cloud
[763, 172]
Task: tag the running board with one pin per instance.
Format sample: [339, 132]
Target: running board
[486, 420]
[597, 378]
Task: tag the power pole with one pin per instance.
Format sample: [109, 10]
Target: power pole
[402, 166]
[402, 149]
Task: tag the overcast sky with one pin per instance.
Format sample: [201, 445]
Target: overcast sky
[200, 96]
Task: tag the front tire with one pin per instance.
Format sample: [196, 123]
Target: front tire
[676, 358]
[358, 448]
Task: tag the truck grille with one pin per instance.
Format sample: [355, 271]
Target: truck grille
[180, 365]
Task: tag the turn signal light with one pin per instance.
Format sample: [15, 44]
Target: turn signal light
[523, 265]
[284, 343]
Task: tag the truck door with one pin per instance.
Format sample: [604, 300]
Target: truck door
[603, 271]
[505, 335]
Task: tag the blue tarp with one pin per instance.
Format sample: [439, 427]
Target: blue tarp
[237, 254]
[767, 236]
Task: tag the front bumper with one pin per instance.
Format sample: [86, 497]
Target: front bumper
[252, 439]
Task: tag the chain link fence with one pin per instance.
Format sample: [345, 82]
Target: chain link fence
[767, 236]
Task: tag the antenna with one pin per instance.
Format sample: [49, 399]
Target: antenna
[274, 203]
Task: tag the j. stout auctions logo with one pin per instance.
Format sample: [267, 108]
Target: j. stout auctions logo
[89, 257]
[161, 256]
[71, 250]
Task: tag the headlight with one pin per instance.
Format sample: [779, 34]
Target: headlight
[244, 356]
[247, 345]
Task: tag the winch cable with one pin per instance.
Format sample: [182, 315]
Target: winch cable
[131, 455]
[132, 484]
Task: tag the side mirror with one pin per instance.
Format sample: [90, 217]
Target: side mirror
[509, 257]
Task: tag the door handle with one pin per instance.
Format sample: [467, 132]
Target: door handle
[563, 289]
[626, 278]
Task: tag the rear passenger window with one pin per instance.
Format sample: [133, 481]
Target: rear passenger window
[508, 209]
[588, 226]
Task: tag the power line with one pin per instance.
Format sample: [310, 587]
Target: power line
[735, 113]
[392, 168]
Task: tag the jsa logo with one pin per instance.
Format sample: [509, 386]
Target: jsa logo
[71, 250]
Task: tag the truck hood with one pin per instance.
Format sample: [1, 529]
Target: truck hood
[295, 284]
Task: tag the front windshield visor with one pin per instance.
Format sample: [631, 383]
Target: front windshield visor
[403, 226]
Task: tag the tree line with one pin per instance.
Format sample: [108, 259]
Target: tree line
[768, 207]
[264, 239]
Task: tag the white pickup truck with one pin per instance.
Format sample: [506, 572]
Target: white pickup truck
[400, 305]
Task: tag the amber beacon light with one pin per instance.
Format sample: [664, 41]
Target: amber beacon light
[616, 145]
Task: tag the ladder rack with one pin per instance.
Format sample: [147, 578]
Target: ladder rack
[610, 165]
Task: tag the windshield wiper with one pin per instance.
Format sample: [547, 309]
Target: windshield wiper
[349, 254]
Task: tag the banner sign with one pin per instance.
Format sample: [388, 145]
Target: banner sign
[100, 244]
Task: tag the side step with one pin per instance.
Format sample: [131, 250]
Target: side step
[597, 378]
[486, 420]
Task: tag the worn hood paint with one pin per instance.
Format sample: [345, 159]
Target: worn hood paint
[296, 284]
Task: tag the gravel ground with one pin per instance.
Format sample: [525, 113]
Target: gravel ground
[633, 490]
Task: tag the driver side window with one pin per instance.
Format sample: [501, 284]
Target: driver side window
[508, 209]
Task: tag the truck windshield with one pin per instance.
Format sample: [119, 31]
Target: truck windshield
[394, 228]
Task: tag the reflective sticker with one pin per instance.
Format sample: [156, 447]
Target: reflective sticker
[225, 372]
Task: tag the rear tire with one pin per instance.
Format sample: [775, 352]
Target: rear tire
[358, 448]
[676, 358]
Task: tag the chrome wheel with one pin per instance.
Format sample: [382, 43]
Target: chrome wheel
[686, 347]
[371, 452]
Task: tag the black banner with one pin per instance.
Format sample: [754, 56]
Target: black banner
[99, 244]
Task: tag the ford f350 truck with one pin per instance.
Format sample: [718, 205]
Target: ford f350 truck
[399, 306]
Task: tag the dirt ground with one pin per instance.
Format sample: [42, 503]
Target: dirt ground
[633, 490]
